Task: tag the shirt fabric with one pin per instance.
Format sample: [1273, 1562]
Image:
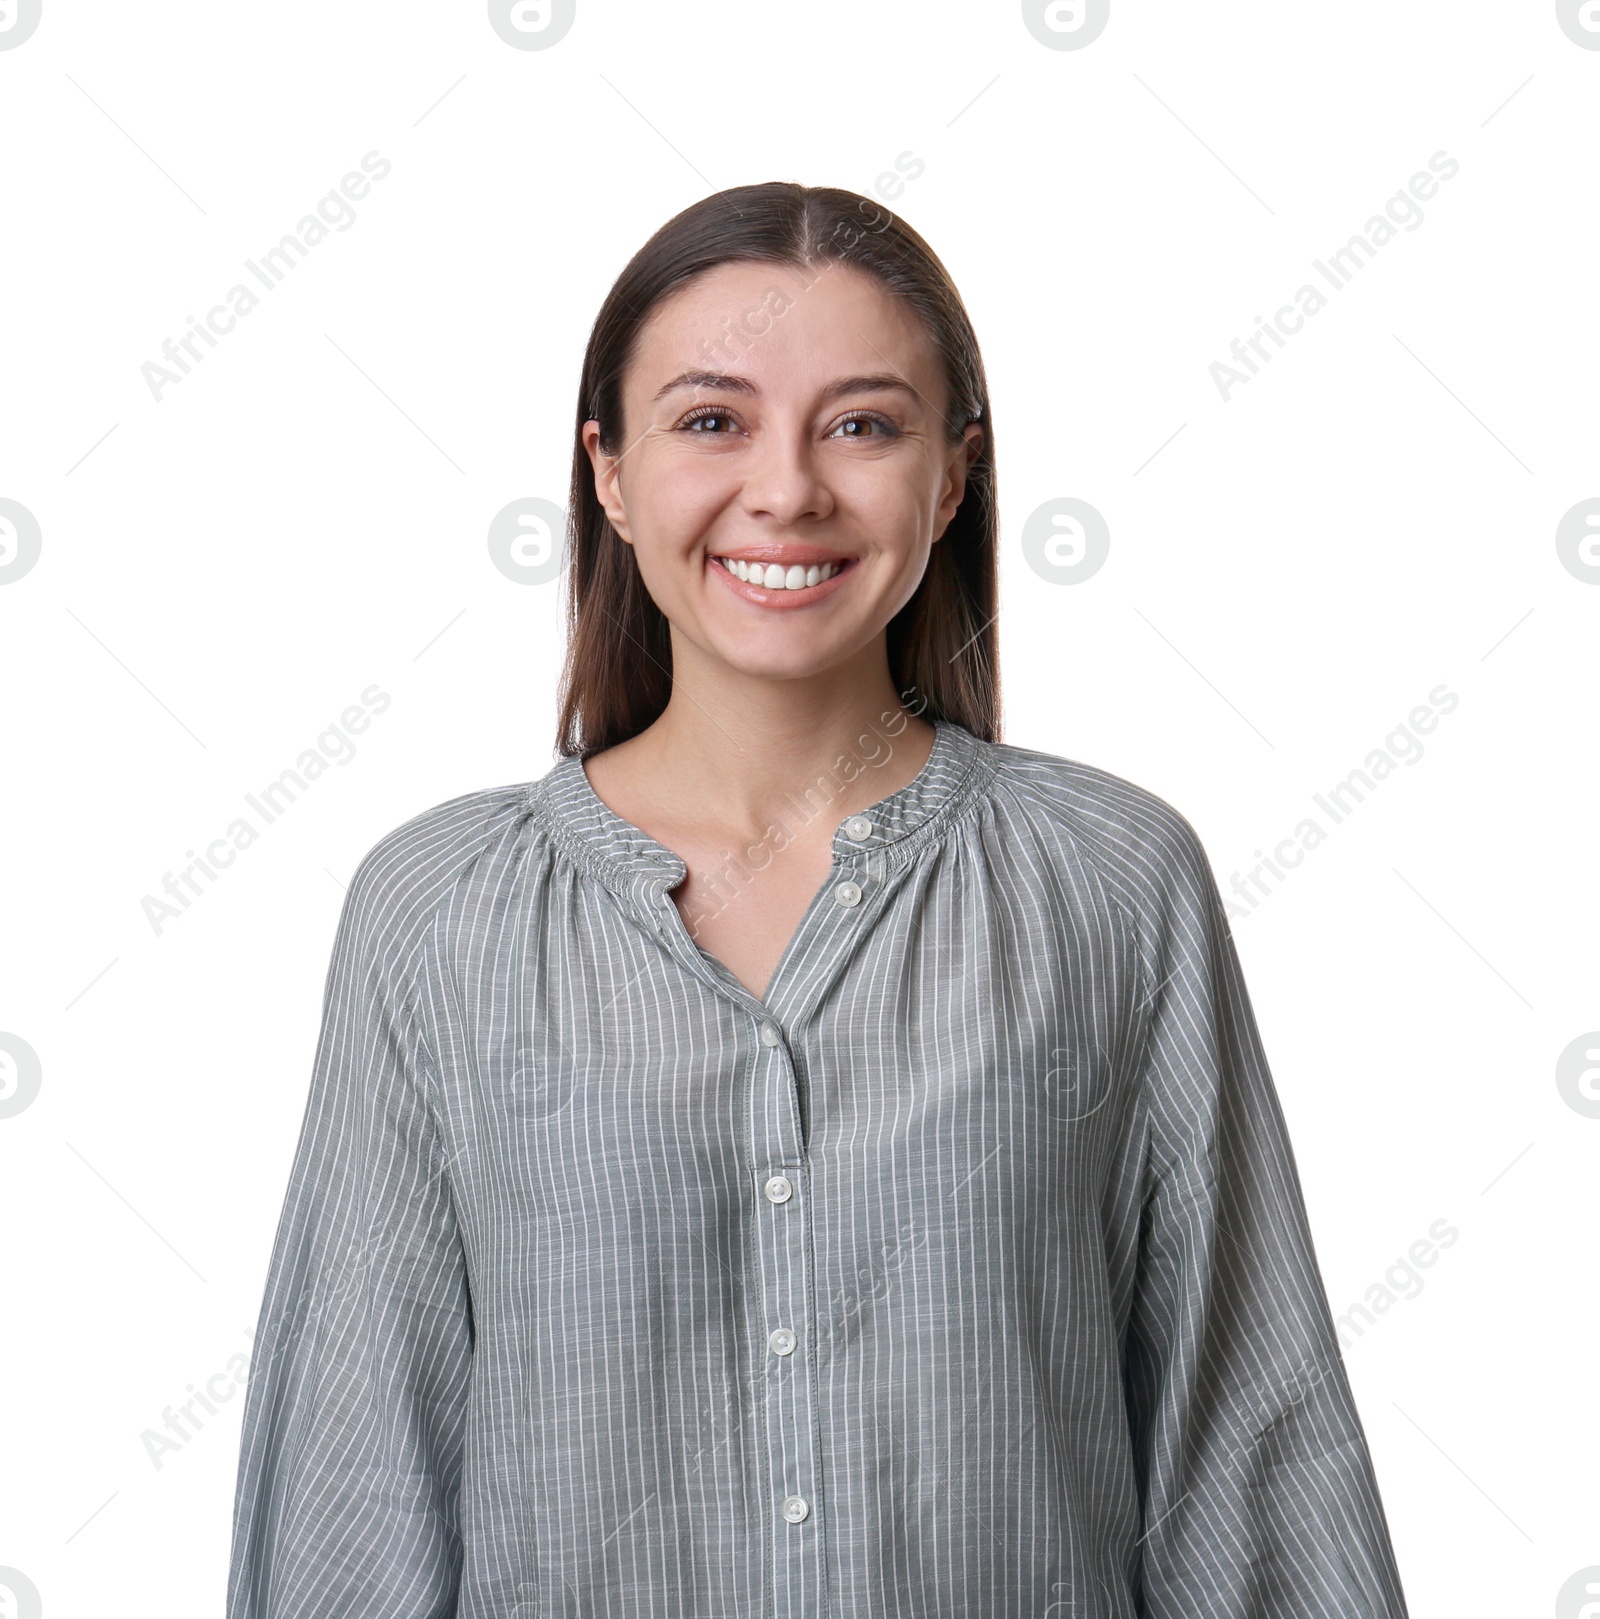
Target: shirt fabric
[964, 1275]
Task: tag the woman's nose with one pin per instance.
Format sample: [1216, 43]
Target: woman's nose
[784, 478]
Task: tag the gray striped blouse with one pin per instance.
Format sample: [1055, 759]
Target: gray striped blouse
[965, 1276]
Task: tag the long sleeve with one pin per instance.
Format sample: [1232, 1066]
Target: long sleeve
[1259, 1496]
[354, 1420]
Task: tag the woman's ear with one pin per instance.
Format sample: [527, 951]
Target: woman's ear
[961, 458]
[607, 479]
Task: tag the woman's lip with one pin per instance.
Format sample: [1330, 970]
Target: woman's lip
[778, 600]
[804, 556]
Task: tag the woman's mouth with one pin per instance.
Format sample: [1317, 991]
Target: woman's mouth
[780, 584]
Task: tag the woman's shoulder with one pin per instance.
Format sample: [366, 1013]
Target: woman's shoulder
[407, 873]
[1140, 842]
[451, 821]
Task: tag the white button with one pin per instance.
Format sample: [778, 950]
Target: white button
[796, 1508]
[779, 1189]
[770, 1035]
[859, 828]
[848, 894]
[782, 1341]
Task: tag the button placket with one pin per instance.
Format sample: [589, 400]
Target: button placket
[782, 1219]
[782, 1310]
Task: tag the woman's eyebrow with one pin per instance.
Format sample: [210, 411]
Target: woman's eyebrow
[722, 382]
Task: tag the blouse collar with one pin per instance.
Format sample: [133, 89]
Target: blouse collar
[631, 862]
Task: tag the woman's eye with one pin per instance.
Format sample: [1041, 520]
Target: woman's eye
[697, 422]
[880, 426]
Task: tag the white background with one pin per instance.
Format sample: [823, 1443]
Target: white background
[224, 571]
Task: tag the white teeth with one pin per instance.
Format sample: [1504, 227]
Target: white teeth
[772, 577]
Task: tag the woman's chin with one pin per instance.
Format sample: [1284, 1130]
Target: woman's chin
[763, 656]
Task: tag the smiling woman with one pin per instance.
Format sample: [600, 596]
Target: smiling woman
[847, 409]
[819, 1158]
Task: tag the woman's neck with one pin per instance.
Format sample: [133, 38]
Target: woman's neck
[740, 753]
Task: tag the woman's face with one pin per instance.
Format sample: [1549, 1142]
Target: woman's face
[816, 451]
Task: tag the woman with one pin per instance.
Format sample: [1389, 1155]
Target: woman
[801, 1156]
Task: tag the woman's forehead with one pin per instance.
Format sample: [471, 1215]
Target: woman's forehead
[768, 324]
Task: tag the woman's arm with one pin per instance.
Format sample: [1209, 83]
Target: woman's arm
[1259, 1495]
[354, 1418]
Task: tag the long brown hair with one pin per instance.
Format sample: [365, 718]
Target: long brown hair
[943, 644]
